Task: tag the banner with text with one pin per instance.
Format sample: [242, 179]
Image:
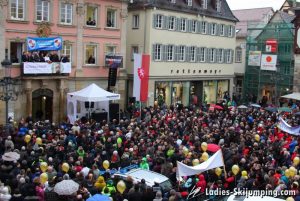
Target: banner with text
[44, 44]
[283, 125]
[268, 62]
[254, 58]
[113, 61]
[46, 68]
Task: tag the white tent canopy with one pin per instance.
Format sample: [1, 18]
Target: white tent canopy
[92, 93]
[295, 96]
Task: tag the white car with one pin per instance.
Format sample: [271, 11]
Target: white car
[149, 176]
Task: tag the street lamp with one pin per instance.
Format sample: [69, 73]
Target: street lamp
[7, 85]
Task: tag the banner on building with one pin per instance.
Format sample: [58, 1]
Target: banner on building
[46, 68]
[268, 62]
[141, 77]
[254, 58]
[44, 44]
[113, 61]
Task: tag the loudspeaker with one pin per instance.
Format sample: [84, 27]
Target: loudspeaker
[112, 77]
[179, 106]
[99, 117]
[132, 100]
[114, 111]
[89, 104]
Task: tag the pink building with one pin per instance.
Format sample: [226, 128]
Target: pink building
[90, 30]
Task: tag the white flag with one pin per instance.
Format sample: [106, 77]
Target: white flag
[214, 161]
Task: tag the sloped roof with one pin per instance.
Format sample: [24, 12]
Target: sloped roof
[181, 6]
[287, 18]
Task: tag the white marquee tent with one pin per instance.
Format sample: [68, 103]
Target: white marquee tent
[92, 93]
[295, 96]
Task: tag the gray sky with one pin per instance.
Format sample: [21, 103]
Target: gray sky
[244, 4]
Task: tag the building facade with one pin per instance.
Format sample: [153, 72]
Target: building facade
[89, 29]
[191, 44]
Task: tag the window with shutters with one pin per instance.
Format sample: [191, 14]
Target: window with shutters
[190, 2]
[212, 54]
[230, 31]
[158, 21]
[204, 27]
[221, 56]
[202, 54]
[171, 25]
[181, 53]
[193, 54]
[213, 28]
[183, 24]
[204, 4]
[222, 29]
[218, 5]
[228, 56]
[170, 53]
[194, 26]
[157, 52]
[238, 54]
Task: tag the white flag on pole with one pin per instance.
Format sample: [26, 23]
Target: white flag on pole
[214, 161]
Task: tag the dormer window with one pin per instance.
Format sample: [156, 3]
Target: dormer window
[218, 5]
[173, 1]
[204, 4]
[190, 2]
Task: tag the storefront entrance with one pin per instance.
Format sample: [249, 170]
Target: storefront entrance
[42, 104]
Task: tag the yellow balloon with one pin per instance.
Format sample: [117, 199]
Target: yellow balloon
[27, 138]
[257, 137]
[106, 164]
[44, 166]
[296, 161]
[204, 146]
[218, 171]
[65, 167]
[196, 162]
[185, 151]
[293, 171]
[39, 141]
[43, 178]
[121, 186]
[204, 156]
[287, 173]
[235, 169]
[290, 199]
[244, 173]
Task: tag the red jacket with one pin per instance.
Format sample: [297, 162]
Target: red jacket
[201, 183]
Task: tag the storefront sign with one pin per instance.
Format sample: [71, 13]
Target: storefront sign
[44, 44]
[46, 68]
[254, 58]
[268, 62]
[271, 45]
[113, 61]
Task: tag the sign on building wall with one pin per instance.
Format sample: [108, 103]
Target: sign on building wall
[46, 68]
[268, 62]
[113, 61]
[44, 44]
[254, 58]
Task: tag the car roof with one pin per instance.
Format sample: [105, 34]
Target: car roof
[149, 176]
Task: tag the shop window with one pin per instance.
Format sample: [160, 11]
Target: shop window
[17, 9]
[90, 54]
[66, 12]
[91, 16]
[135, 21]
[42, 10]
[16, 50]
[171, 23]
[111, 18]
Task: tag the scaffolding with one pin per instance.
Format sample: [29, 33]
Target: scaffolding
[269, 84]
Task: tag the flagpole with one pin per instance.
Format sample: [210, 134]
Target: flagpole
[224, 164]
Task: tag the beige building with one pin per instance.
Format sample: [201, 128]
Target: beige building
[191, 44]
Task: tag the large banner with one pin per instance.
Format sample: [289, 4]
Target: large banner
[44, 44]
[141, 77]
[46, 68]
[254, 58]
[283, 125]
[268, 62]
[113, 61]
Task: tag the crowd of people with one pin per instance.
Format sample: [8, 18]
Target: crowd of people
[44, 56]
[155, 140]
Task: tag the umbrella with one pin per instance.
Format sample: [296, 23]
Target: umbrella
[99, 197]
[271, 109]
[66, 187]
[85, 171]
[284, 109]
[218, 107]
[11, 156]
[255, 105]
[212, 147]
[242, 107]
